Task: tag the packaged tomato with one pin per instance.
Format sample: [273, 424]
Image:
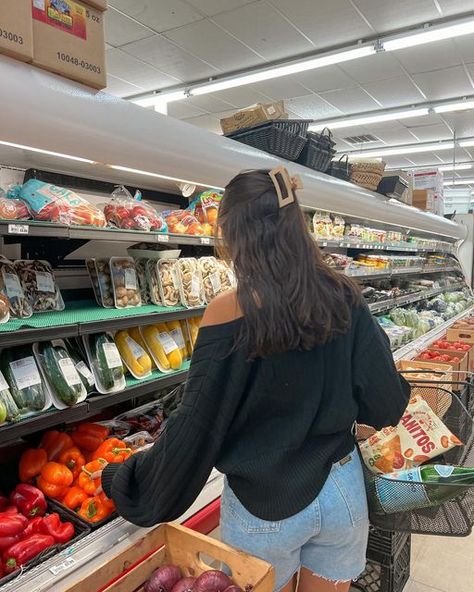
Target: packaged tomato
[205, 208]
[182, 222]
[13, 209]
[131, 213]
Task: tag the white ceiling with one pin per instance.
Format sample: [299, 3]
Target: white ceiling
[155, 44]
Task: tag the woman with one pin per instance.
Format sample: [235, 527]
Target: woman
[282, 369]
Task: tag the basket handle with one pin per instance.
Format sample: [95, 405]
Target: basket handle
[328, 134]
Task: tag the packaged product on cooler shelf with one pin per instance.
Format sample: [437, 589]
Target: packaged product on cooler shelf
[94, 277]
[322, 224]
[169, 282]
[125, 282]
[140, 267]
[11, 289]
[205, 208]
[182, 222]
[49, 203]
[153, 281]
[190, 280]
[79, 358]
[39, 285]
[105, 362]
[8, 408]
[12, 209]
[105, 282]
[163, 348]
[131, 213]
[176, 332]
[137, 336]
[146, 418]
[134, 356]
[211, 278]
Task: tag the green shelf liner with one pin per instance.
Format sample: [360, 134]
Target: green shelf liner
[85, 311]
[156, 375]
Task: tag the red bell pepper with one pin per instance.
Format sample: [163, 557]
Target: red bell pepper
[7, 541]
[62, 532]
[12, 524]
[4, 503]
[9, 511]
[29, 500]
[25, 550]
[34, 527]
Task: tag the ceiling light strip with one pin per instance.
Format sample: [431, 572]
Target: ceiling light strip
[165, 177]
[47, 152]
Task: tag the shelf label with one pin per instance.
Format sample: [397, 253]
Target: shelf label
[12, 285]
[163, 238]
[25, 372]
[69, 371]
[45, 282]
[59, 567]
[205, 240]
[18, 229]
[324, 244]
[3, 383]
[112, 356]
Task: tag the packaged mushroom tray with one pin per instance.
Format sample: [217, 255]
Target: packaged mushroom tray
[39, 285]
[190, 280]
[125, 282]
[12, 292]
[164, 274]
[211, 277]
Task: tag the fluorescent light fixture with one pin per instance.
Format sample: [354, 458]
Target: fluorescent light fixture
[450, 167]
[159, 176]
[48, 152]
[407, 149]
[365, 120]
[466, 143]
[458, 106]
[164, 97]
[460, 181]
[429, 35]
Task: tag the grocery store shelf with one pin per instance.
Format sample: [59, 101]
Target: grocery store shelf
[91, 406]
[388, 273]
[384, 305]
[84, 318]
[344, 243]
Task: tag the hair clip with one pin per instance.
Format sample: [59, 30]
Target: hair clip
[285, 185]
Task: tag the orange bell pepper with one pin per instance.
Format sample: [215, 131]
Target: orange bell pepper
[54, 479]
[73, 459]
[89, 436]
[90, 477]
[31, 463]
[54, 443]
[93, 510]
[113, 450]
[74, 498]
[108, 503]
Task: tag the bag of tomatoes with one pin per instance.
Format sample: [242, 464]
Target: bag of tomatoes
[131, 213]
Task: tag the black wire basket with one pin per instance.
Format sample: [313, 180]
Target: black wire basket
[284, 138]
[340, 168]
[443, 509]
[318, 151]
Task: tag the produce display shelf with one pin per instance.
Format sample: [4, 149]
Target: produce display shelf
[375, 246]
[91, 406]
[86, 317]
[23, 228]
[377, 307]
[387, 273]
[412, 349]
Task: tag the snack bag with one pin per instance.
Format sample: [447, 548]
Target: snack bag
[419, 437]
[322, 225]
[131, 213]
[12, 209]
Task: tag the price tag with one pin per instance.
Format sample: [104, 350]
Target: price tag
[167, 342]
[59, 567]
[163, 238]
[341, 244]
[195, 287]
[130, 278]
[69, 371]
[25, 372]
[85, 372]
[18, 229]
[136, 349]
[324, 244]
[12, 286]
[3, 383]
[178, 338]
[112, 355]
[45, 282]
[205, 240]
[357, 246]
[215, 280]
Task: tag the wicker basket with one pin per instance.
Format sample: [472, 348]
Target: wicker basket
[374, 167]
[368, 180]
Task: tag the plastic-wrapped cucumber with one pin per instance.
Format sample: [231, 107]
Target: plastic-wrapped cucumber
[82, 368]
[107, 360]
[61, 373]
[22, 375]
[10, 411]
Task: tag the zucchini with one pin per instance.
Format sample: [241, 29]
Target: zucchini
[17, 395]
[61, 374]
[29, 397]
[109, 377]
[12, 411]
[82, 368]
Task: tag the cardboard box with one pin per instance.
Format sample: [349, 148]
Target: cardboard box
[177, 545]
[469, 352]
[99, 4]
[16, 30]
[68, 39]
[428, 200]
[253, 115]
[460, 368]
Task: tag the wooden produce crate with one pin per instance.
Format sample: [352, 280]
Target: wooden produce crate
[459, 369]
[461, 333]
[445, 379]
[178, 545]
[469, 352]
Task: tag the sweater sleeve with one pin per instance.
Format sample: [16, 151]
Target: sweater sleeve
[381, 392]
[159, 485]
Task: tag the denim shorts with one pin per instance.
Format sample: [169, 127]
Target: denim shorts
[328, 537]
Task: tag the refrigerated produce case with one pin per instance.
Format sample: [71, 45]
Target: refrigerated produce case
[62, 128]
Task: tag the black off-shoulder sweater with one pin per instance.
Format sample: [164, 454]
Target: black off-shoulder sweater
[274, 426]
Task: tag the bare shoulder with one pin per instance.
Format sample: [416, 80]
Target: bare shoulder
[222, 309]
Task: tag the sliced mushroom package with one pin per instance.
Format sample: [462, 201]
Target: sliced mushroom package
[39, 285]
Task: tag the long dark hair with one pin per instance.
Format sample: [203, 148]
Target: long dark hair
[289, 297]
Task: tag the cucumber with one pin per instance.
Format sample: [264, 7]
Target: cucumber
[76, 357]
[17, 395]
[51, 356]
[29, 398]
[12, 411]
[109, 377]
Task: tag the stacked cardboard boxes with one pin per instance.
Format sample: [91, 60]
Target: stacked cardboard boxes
[428, 191]
[254, 115]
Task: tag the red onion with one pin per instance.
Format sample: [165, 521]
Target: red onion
[184, 585]
[163, 579]
[233, 588]
[212, 581]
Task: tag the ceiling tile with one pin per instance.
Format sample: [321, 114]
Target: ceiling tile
[372, 68]
[425, 158]
[399, 136]
[241, 96]
[450, 7]
[325, 23]
[209, 103]
[264, 30]
[327, 78]
[465, 46]
[352, 100]
[432, 56]
[281, 88]
[120, 88]
[394, 92]
[207, 122]
[162, 54]
[312, 107]
[423, 120]
[183, 110]
[386, 15]
[160, 16]
[209, 42]
[431, 133]
[126, 67]
[120, 30]
[398, 162]
[447, 83]
[462, 123]
[213, 7]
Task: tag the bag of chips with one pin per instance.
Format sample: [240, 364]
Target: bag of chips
[419, 437]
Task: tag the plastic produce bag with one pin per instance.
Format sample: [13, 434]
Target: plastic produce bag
[39, 285]
[131, 213]
[56, 204]
[105, 362]
[182, 222]
[12, 209]
[146, 418]
[10, 411]
[205, 209]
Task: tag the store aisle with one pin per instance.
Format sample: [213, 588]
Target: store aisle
[441, 564]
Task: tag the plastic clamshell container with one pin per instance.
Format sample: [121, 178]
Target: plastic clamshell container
[125, 282]
[10, 287]
[191, 289]
[128, 347]
[112, 359]
[151, 254]
[140, 266]
[161, 345]
[211, 277]
[153, 280]
[105, 282]
[12, 411]
[94, 276]
[169, 282]
[68, 371]
[39, 285]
